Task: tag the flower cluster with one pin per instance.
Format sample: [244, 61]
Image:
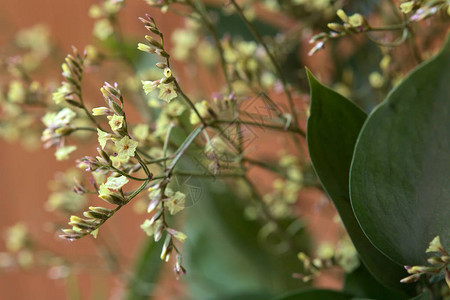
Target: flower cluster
[343, 255]
[440, 262]
[105, 15]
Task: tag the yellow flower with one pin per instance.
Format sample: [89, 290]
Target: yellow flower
[167, 91]
[116, 183]
[16, 237]
[177, 234]
[140, 132]
[435, 245]
[149, 227]
[63, 117]
[63, 152]
[202, 108]
[176, 201]
[167, 72]
[116, 122]
[103, 137]
[356, 20]
[103, 29]
[94, 233]
[110, 197]
[149, 86]
[125, 147]
[407, 7]
[17, 91]
[60, 95]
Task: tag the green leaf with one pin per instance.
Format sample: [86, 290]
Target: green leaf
[426, 295]
[223, 254]
[361, 283]
[146, 273]
[315, 294]
[400, 174]
[332, 130]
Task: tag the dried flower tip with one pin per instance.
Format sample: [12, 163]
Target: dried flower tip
[156, 216]
[146, 48]
[153, 42]
[101, 210]
[70, 237]
[317, 37]
[158, 232]
[149, 21]
[435, 260]
[69, 231]
[64, 131]
[161, 65]
[336, 27]
[95, 215]
[342, 15]
[153, 204]
[82, 226]
[162, 53]
[411, 278]
[316, 47]
[103, 155]
[166, 247]
[113, 90]
[78, 188]
[101, 111]
[177, 234]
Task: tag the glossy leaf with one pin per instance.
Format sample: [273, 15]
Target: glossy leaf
[400, 175]
[315, 294]
[333, 127]
[362, 284]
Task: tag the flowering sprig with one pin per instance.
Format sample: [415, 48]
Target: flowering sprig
[440, 261]
[413, 11]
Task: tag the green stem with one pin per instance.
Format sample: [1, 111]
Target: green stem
[270, 126]
[128, 175]
[272, 59]
[200, 8]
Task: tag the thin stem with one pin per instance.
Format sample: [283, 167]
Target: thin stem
[272, 59]
[128, 175]
[84, 129]
[185, 173]
[166, 143]
[190, 103]
[271, 126]
[199, 7]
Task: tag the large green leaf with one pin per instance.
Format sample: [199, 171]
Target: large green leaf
[315, 294]
[400, 174]
[333, 127]
[361, 283]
